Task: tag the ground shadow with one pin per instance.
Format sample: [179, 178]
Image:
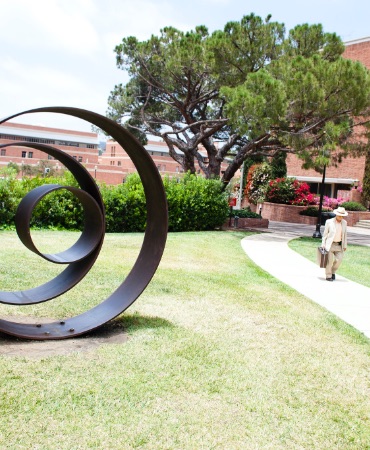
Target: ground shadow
[116, 331]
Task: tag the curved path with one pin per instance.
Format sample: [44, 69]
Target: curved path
[346, 299]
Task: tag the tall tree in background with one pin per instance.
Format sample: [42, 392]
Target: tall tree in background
[366, 180]
[247, 90]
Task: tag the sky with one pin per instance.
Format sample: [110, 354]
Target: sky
[61, 52]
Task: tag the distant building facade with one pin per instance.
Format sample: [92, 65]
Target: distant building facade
[82, 146]
[111, 167]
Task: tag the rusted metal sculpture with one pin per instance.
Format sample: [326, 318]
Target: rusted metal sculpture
[82, 255]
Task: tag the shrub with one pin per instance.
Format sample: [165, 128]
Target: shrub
[290, 191]
[313, 211]
[60, 210]
[257, 182]
[281, 190]
[195, 203]
[332, 202]
[125, 207]
[245, 213]
[353, 206]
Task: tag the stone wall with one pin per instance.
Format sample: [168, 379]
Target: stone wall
[285, 213]
[245, 223]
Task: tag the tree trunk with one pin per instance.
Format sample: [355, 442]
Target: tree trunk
[189, 163]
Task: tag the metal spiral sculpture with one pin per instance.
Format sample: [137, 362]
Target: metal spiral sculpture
[81, 256]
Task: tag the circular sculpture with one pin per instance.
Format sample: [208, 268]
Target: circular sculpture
[81, 256]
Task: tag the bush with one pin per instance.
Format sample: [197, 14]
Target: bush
[125, 207]
[290, 191]
[353, 206]
[60, 210]
[281, 190]
[195, 203]
[257, 182]
[313, 211]
[245, 213]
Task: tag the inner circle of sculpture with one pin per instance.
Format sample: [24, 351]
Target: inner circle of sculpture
[81, 256]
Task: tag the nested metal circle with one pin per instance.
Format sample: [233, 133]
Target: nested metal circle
[145, 265]
[93, 224]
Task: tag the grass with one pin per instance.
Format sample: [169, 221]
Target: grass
[220, 356]
[355, 265]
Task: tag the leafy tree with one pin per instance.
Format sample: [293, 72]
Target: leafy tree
[366, 180]
[246, 90]
[278, 165]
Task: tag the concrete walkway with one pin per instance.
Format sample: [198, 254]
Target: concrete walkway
[346, 299]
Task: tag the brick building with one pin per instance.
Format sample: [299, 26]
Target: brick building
[83, 146]
[111, 167]
[116, 159]
[350, 170]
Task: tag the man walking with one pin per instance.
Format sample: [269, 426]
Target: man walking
[335, 241]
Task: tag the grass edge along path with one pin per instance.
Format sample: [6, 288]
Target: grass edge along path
[356, 261]
[220, 355]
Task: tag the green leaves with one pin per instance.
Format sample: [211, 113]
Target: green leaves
[307, 40]
[245, 90]
[256, 105]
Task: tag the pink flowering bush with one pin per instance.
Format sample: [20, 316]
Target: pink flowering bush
[331, 203]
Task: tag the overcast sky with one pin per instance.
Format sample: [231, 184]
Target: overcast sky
[61, 52]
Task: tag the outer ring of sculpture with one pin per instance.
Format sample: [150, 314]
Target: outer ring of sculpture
[150, 253]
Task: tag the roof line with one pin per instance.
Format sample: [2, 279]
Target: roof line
[357, 41]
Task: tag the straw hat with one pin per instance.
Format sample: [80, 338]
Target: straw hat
[340, 211]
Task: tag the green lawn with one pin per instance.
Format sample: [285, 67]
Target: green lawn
[220, 355]
[356, 261]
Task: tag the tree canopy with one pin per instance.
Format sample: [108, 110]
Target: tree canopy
[249, 89]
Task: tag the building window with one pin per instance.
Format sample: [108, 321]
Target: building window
[112, 163]
[118, 163]
[80, 159]
[30, 154]
[3, 152]
[24, 154]
[113, 151]
[159, 167]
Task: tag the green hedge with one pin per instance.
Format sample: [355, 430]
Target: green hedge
[353, 206]
[194, 204]
[313, 211]
[244, 213]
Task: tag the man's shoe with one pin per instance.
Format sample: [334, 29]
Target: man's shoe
[333, 276]
[329, 279]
